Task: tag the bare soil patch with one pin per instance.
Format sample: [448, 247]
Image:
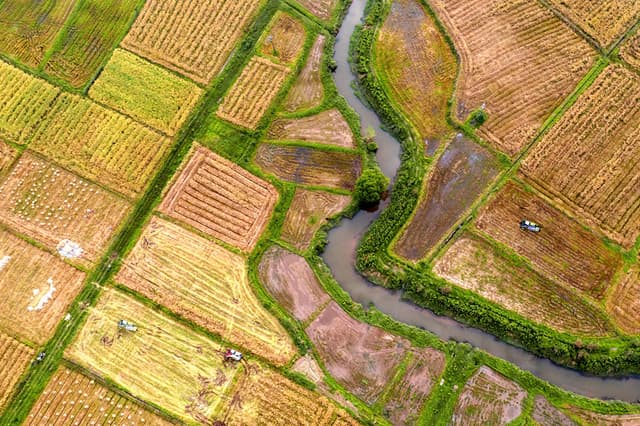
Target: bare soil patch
[308, 366]
[328, 127]
[598, 419]
[321, 8]
[307, 91]
[284, 39]
[624, 303]
[15, 358]
[546, 414]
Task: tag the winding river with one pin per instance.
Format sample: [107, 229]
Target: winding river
[343, 241]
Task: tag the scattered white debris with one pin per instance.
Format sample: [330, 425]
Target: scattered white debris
[69, 249]
[67, 317]
[45, 298]
[36, 291]
[4, 261]
[441, 382]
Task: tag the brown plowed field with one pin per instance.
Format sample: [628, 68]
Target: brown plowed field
[546, 414]
[193, 37]
[472, 264]
[518, 59]
[7, 155]
[221, 199]
[321, 8]
[284, 39]
[624, 303]
[307, 91]
[589, 159]
[36, 287]
[606, 21]
[253, 92]
[488, 398]
[309, 166]
[597, 419]
[15, 358]
[50, 204]
[290, 280]
[417, 65]
[563, 251]
[308, 212]
[630, 51]
[328, 127]
[71, 398]
[205, 283]
[411, 392]
[359, 356]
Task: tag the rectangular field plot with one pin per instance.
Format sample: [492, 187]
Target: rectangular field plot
[307, 91]
[145, 91]
[321, 8]
[50, 204]
[630, 51]
[283, 40]
[36, 287]
[472, 264]
[24, 100]
[206, 283]
[100, 144]
[15, 358]
[563, 251]
[163, 362]
[327, 127]
[28, 28]
[93, 31]
[590, 158]
[253, 92]
[194, 37]
[518, 60]
[221, 199]
[309, 166]
[544, 413]
[7, 155]
[605, 21]
[624, 303]
[75, 399]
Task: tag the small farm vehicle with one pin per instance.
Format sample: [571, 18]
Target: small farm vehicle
[526, 225]
[126, 325]
[232, 355]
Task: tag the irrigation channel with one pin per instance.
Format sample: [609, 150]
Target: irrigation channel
[343, 241]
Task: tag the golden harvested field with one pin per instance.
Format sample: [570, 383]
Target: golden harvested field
[37, 289]
[546, 414]
[100, 144]
[15, 358]
[284, 39]
[417, 65]
[28, 28]
[321, 8]
[309, 166]
[163, 363]
[589, 159]
[72, 398]
[7, 155]
[327, 127]
[518, 59]
[50, 204]
[221, 199]
[606, 21]
[307, 91]
[472, 264]
[290, 280]
[309, 210]
[253, 92]
[488, 398]
[24, 100]
[205, 283]
[624, 303]
[145, 91]
[630, 51]
[194, 38]
[564, 251]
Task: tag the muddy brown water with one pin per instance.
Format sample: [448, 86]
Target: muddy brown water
[343, 241]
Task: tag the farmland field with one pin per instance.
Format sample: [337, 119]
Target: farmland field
[183, 371]
[518, 60]
[308, 212]
[630, 51]
[15, 359]
[321, 8]
[72, 398]
[7, 155]
[488, 398]
[145, 91]
[546, 414]
[100, 144]
[624, 303]
[36, 287]
[589, 158]
[327, 127]
[51, 205]
[606, 21]
[253, 92]
[290, 280]
[91, 33]
[194, 38]
[28, 28]
[563, 251]
[417, 65]
[309, 166]
[307, 91]
[205, 283]
[221, 199]
[24, 100]
[284, 39]
[597, 419]
[472, 264]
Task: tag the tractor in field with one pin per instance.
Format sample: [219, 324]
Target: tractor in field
[127, 326]
[232, 355]
[527, 225]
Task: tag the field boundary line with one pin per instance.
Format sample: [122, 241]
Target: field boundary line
[575, 27]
